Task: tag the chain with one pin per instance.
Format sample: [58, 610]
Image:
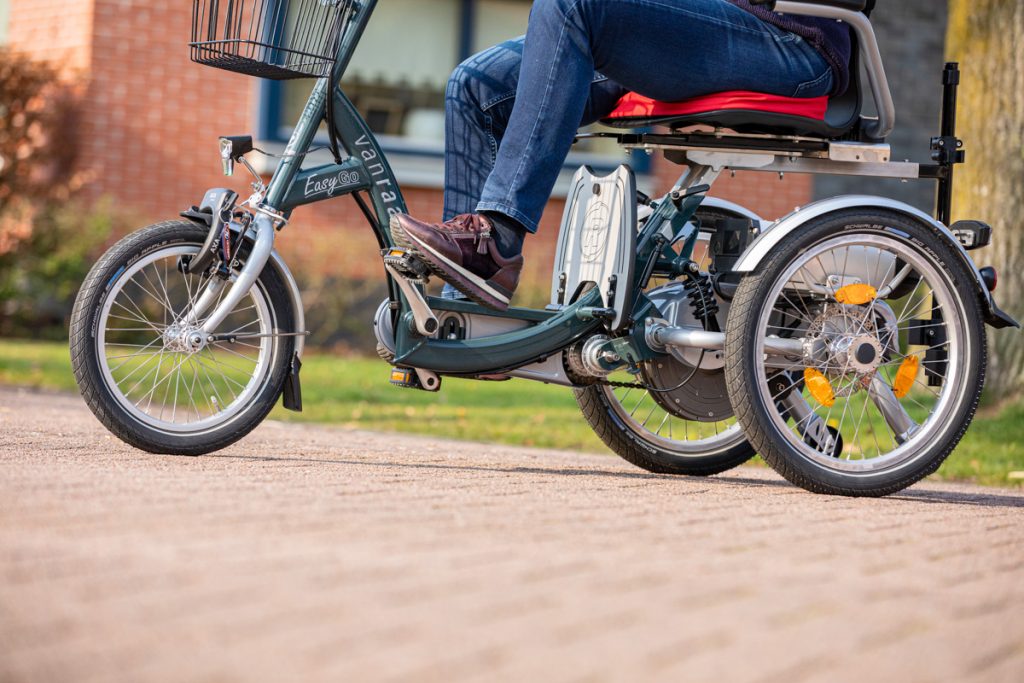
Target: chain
[623, 385]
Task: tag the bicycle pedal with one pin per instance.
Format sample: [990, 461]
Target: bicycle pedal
[407, 378]
[405, 263]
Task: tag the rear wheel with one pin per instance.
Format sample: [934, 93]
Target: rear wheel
[679, 420]
[893, 360]
[141, 365]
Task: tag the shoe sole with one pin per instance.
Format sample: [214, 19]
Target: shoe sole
[461, 279]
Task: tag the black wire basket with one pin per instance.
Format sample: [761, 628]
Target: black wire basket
[277, 39]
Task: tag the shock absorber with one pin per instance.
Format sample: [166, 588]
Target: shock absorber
[701, 291]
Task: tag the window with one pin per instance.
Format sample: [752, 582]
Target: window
[398, 75]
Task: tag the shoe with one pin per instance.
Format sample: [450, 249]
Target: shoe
[463, 253]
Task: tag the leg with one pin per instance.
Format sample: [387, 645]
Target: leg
[478, 104]
[675, 50]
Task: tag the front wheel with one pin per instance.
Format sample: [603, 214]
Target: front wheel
[886, 353]
[141, 366]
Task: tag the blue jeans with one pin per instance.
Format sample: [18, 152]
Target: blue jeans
[512, 111]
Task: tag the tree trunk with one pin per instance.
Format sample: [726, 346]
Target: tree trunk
[987, 38]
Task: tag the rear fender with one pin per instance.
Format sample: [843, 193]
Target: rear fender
[782, 228]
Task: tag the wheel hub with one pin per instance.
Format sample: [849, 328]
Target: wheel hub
[184, 339]
[844, 340]
[861, 354]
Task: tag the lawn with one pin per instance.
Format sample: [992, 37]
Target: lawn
[354, 393]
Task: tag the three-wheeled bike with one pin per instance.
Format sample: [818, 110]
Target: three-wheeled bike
[844, 342]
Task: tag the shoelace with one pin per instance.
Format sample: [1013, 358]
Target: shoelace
[478, 227]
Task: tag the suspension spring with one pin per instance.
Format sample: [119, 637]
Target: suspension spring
[701, 292]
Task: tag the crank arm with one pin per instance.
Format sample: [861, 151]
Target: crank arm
[426, 321]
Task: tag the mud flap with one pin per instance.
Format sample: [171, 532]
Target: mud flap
[291, 397]
[597, 241]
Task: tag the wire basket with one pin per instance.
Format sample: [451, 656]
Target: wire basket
[277, 39]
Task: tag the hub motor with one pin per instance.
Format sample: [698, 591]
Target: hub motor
[688, 383]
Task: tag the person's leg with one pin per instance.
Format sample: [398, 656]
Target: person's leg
[665, 49]
[478, 105]
[685, 48]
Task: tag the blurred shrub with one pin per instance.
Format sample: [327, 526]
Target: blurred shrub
[49, 237]
[45, 254]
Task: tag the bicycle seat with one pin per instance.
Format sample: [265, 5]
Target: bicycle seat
[830, 117]
[742, 111]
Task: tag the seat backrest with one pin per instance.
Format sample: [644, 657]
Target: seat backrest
[844, 109]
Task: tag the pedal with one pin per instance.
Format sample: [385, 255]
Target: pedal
[405, 264]
[972, 234]
[409, 378]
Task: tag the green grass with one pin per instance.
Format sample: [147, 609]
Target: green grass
[355, 393]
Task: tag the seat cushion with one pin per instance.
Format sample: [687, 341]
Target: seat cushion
[739, 109]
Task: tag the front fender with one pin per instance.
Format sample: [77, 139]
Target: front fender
[780, 229]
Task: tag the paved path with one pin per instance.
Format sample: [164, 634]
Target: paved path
[317, 554]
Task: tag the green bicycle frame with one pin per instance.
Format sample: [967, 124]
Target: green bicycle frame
[365, 170]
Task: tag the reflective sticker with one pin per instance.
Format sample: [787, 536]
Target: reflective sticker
[819, 387]
[906, 376]
[856, 295]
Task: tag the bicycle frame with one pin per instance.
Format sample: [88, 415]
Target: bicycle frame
[366, 170]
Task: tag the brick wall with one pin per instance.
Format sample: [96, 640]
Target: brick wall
[59, 31]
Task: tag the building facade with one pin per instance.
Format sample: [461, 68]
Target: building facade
[150, 118]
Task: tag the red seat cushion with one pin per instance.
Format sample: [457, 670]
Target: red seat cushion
[634, 106]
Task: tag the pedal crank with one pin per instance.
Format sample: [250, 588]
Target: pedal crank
[411, 274]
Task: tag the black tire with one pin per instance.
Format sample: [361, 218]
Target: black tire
[635, 448]
[638, 448]
[744, 374]
[85, 355]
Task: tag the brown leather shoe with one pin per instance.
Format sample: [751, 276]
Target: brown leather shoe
[462, 252]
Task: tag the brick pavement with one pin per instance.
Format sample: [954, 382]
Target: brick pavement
[308, 553]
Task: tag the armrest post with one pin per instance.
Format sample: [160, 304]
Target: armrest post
[881, 127]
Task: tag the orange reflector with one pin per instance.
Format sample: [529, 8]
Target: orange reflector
[856, 295]
[906, 376]
[400, 376]
[819, 387]
[396, 252]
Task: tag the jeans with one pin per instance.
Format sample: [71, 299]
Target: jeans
[513, 110]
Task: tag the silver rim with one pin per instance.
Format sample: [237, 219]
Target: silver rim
[685, 438]
[885, 410]
[148, 364]
[646, 418]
